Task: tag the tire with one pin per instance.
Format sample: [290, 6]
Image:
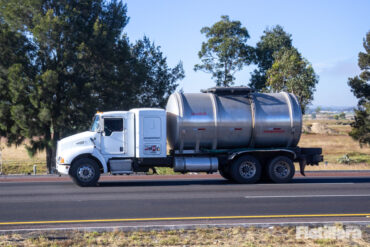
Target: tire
[281, 169]
[225, 173]
[246, 170]
[85, 172]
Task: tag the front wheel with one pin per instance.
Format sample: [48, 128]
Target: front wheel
[281, 169]
[246, 170]
[85, 172]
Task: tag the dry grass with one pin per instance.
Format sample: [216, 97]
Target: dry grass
[16, 160]
[335, 166]
[236, 236]
[336, 146]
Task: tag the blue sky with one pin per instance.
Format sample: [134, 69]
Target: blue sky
[328, 33]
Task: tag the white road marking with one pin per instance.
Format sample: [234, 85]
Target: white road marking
[313, 183]
[303, 196]
[328, 183]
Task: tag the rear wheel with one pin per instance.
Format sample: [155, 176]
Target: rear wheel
[246, 170]
[85, 172]
[281, 169]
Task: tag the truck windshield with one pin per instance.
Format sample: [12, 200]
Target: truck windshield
[95, 124]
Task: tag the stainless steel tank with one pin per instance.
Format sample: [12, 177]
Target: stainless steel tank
[227, 118]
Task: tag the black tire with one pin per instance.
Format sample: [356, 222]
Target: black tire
[246, 170]
[225, 173]
[85, 172]
[281, 169]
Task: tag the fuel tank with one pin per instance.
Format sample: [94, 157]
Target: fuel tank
[225, 118]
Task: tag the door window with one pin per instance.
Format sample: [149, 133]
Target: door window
[112, 125]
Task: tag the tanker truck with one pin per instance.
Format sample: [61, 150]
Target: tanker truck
[242, 134]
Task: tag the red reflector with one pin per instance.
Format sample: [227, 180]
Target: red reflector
[238, 129]
[201, 128]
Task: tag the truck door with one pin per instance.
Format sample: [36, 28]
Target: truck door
[112, 141]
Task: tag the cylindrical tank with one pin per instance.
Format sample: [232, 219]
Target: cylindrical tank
[229, 118]
[195, 164]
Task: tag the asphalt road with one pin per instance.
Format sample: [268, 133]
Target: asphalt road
[182, 201]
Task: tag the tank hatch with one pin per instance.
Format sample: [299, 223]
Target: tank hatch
[229, 90]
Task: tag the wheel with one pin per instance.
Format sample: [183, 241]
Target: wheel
[225, 173]
[281, 169]
[246, 170]
[85, 172]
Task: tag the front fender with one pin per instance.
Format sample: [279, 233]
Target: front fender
[70, 154]
[100, 157]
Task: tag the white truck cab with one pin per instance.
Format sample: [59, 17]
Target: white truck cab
[113, 142]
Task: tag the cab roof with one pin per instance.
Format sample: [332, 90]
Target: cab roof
[112, 113]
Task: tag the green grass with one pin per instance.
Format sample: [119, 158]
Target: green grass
[23, 167]
[358, 157]
[165, 171]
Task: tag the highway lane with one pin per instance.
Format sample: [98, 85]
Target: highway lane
[146, 201]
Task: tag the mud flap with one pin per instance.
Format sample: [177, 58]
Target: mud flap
[302, 166]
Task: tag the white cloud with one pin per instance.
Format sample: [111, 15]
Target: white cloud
[346, 67]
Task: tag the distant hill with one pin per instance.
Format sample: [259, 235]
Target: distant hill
[333, 109]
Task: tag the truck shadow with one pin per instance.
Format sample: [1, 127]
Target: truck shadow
[226, 182]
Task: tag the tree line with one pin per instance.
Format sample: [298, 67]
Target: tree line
[61, 61]
[280, 67]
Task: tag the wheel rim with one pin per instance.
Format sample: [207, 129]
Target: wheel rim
[282, 169]
[85, 172]
[247, 169]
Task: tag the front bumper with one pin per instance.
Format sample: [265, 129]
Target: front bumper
[63, 168]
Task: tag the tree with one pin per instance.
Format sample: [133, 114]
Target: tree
[15, 53]
[292, 73]
[70, 59]
[271, 41]
[225, 52]
[156, 77]
[361, 89]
